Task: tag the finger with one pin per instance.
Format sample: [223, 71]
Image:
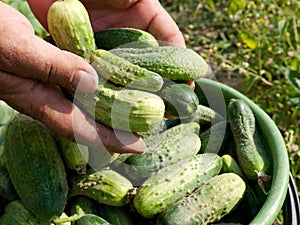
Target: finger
[48, 104]
[164, 28]
[29, 56]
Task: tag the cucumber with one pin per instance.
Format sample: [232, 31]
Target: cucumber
[171, 62]
[70, 27]
[104, 186]
[17, 214]
[242, 123]
[129, 110]
[173, 182]
[180, 101]
[115, 215]
[176, 143]
[35, 167]
[124, 37]
[75, 155]
[122, 72]
[207, 204]
[91, 219]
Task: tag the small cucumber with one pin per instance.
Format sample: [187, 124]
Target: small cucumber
[129, 110]
[176, 143]
[171, 62]
[75, 155]
[173, 182]
[104, 186]
[122, 72]
[70, 27]
[209, 203]
[91, 219]
[180, 101]
[124, 37]
[242, 123]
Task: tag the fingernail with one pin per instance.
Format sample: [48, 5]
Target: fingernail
[85, 81]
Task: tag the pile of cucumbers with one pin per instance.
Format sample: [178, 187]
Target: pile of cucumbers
[200, 167]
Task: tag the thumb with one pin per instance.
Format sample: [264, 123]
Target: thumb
[31, 57]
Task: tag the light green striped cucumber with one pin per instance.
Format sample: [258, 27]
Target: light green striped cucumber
[171, 62]
[174, 144]
[75, 155]
[17, 214]
[242, 122]
[120, 71]
[70, 27]
[129, 110]
[35, 167]
[104, 186]
[174, 182]
[209, 203]
[124, 37]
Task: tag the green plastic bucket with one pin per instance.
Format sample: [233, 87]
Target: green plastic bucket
[217, 96]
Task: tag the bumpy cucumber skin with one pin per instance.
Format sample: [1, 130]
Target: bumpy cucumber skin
[91, 219]
[70, 27]
[174, 144]
[104, 186]
[208, 203]
[173, 182]
[180, 101]
[124, 37]
[171, 62]
[36, 167]
[206, 115]
[122, 72]
[17, 214]
[130, 110]
[242, 123]
[75, 155]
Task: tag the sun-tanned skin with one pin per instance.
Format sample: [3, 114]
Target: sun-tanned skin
[32, 70]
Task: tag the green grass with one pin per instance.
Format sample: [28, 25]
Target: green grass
[255, 48]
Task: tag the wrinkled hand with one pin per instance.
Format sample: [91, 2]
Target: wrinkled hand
[32, 70]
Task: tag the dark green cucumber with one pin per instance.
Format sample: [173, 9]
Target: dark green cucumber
[35, 167]
[174, 182]
[242, 123]
[17, 214]
[124, 37]
[75, 155]
[91, 219]
[115, 215]
[176, 143]
[122, 72]
[105, 186]
[180, 101]
[171, 62]
[209, 203]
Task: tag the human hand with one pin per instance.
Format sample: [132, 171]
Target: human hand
[31, 74]
[146, 15]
